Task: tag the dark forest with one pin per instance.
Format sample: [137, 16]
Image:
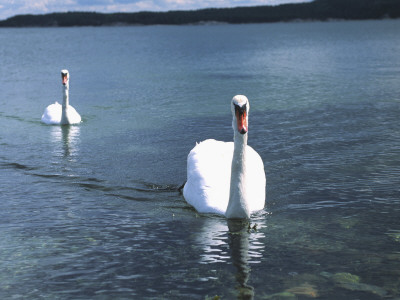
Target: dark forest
[318, 10]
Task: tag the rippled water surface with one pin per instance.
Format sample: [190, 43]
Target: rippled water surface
[92, 211]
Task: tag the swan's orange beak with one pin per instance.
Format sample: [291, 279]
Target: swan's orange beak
[241, 121]
[64, 78]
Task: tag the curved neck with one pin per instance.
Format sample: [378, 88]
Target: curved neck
[237, 206]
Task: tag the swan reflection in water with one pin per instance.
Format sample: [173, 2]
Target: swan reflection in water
[67, 140]
[233, 241]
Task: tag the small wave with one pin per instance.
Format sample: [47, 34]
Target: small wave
[19, 118]
[134, 190]
[17, 166]
[139, 186]
[138, 191]
[154, 187]
[12, 117]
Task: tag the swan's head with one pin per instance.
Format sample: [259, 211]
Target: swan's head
[65, 77]
[240, 110]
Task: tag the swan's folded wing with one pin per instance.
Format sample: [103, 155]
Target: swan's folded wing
[208, 176]
[52, 114]
[73, 116]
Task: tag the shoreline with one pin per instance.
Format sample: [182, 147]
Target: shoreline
[318, 10]
[206, 23]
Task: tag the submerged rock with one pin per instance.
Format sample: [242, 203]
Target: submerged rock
[394, 256]
[348, 223]
[394, 235]
[281, 296]
[363, 287]
[352, 282]
[345, 278]
[305, 289]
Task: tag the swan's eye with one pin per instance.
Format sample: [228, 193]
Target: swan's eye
[240, 110]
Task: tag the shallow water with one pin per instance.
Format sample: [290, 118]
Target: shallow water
[92, 211]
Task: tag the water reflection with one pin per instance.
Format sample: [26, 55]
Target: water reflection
[67, 138]
[233, 241]
[239, 232]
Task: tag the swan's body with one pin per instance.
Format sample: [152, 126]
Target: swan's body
[227, 178]
[61, 114]
[53, 115]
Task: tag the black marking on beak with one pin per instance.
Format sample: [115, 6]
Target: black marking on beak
[64, 76]
[241, 110]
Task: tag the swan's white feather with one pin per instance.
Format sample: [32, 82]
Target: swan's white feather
[209, 174]
[52, 114]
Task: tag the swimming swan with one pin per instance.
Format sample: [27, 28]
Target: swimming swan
[61, 114]
[227, 178]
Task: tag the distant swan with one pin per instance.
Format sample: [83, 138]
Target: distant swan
[227, 178]
[61, 114]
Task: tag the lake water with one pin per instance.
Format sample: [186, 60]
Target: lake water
[93, 212]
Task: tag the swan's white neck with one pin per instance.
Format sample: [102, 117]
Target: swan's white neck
[65, 103]
[238, 207]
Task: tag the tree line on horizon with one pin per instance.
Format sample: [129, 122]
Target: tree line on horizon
[320, 10]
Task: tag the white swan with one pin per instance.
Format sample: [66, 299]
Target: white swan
[61, 114]
[227, 178]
